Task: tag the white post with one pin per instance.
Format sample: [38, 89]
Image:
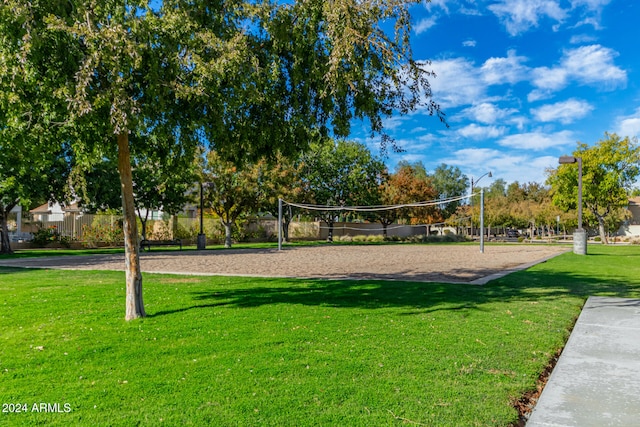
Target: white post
[481, 220]
[279, 224]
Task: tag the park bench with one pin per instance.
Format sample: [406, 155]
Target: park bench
[148, 243]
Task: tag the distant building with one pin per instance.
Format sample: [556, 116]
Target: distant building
[54, 211]
[631, 227]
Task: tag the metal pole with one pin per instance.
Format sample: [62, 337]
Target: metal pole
[471, 204]
[482, 220]
[202, 239]
[579, 193]
[201, 210]
[279, 224]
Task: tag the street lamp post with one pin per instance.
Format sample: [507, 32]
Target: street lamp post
[580, 235]
[473, 184]
[202, 238]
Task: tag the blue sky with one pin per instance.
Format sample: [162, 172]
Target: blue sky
[521, 82]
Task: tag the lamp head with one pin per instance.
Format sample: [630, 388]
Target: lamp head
[564, 160]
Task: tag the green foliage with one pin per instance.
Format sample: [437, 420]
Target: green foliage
[46, 236]
[232, 191]
[164, 174]
[449, 182]
[100, 187]
[609, 169]
[409, 183]
[341, 173]
[105, 229]
[245, 351]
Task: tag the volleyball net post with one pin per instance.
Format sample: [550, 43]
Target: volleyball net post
[279, 224]
[482, 220]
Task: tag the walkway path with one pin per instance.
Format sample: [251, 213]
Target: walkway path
[596, 381]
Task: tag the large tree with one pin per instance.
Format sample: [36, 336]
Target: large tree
[164, 173]
[231, 191]
[449, 183]
[610, 168]
[280, 180]
[35, 160]
[338, 174]
[409, 184]
[128, 81]
[259, 78]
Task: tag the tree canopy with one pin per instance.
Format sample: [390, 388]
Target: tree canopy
[340, 173]
[252, 79]
[610, 168]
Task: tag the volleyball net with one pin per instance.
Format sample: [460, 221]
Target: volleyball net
[373, 209]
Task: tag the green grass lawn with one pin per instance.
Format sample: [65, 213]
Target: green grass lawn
[279, 352]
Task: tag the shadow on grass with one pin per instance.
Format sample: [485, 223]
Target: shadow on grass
[543, 282]
[14, 270]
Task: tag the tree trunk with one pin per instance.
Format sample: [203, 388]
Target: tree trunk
[143, 222]
[287, 219]
[5, 244]
[134, 302]
[227, 235]
[286, 222]
[330, 233]
[174, 226]
[602, 231]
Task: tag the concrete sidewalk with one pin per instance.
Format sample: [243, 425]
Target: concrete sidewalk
[596, 381]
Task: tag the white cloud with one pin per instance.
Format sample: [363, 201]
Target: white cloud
[394, 122]
[537, 140]
[538, 95]
[442, 4]
[564, 112]
[550, 78]
[588, 65]
[469, 43]
[476, 158]
[519, 16]
[424, 24]
[629, 125]
[505, 70]
[511, 167]
[475, 162]
[487, 113]
[524, 169]
[457, 83]
[590, 4]
[582, 38]
[478, 132]
[594, 65]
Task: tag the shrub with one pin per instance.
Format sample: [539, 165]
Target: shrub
[45, 236]
[103, 230]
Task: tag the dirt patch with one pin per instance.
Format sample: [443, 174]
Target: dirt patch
[525, 404]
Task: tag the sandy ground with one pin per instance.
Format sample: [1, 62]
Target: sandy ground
[441, 263]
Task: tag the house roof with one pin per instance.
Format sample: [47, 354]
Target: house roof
[46, 208]
[42, 209]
